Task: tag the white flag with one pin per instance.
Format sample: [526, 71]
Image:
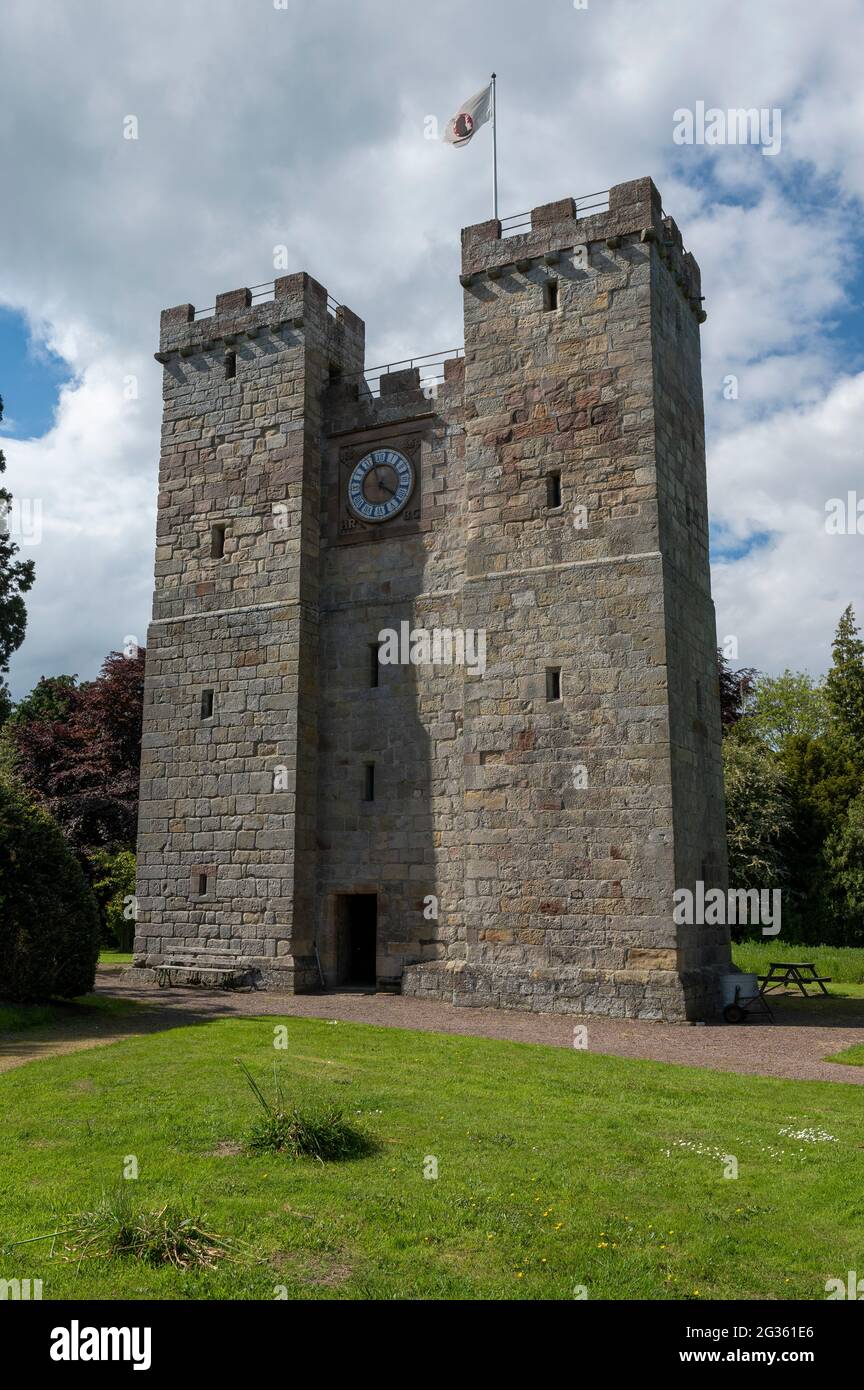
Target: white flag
[471, 115]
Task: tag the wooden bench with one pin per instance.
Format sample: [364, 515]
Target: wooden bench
[192, 962]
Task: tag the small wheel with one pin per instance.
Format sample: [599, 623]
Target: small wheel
[733, 1013]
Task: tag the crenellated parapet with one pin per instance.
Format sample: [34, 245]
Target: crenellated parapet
[298, 303]
[634, 216]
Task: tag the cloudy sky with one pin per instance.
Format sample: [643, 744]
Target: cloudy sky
[265, 124]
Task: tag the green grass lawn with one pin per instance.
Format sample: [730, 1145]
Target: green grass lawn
[852, 1057]
[556, 1168]
[109, 957]
[843, 964]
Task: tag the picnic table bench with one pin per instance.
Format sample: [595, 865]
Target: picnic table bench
[189, 964]
[800, 973]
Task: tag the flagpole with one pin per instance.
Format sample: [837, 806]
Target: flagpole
[494, 151]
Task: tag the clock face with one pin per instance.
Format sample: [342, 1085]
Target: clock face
[380, 485]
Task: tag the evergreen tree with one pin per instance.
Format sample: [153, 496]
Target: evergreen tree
[844, 684]
[844, 858]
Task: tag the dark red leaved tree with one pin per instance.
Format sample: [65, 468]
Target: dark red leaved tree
[77, 749]
[735, 686]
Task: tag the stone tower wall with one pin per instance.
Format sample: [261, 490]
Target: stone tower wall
[583, 815]
[524, 851]
[241, 450]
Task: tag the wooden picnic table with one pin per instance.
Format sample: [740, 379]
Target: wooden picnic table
[800, 973]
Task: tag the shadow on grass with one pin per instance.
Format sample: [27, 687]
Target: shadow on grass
[29, 1032]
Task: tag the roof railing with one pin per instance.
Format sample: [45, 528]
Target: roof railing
[430, 365]
[586, 203]
[265, 290]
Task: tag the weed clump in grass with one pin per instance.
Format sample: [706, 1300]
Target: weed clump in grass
[163, 1236]
[313, 1132]
[114, 1228]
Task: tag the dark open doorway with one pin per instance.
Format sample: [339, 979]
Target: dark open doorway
[357, 917]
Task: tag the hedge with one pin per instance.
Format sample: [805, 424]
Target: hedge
[49, 920]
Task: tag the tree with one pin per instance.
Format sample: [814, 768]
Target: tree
[758, 815]
[782, 706]
[823, 778]
[16, 578]
[49, 921]
[51, 698]
[113, 882]
[844, 684]
[77, 749]
[844, 857]
[735, 687]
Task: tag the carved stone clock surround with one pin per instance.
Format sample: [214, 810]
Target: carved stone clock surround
[344, 527]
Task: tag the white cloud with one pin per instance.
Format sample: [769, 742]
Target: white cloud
[783, 599]
[260, 127]
[94, 556]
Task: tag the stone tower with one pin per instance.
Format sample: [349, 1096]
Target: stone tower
[505, 833]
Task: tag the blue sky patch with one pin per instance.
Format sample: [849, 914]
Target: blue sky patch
[726, 549]
[30, 380]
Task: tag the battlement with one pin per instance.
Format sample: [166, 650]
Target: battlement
[632, 211]
[298, 302]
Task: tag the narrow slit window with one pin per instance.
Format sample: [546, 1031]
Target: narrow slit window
[369, 782]
[217, 541]
[553, 491]
[203, 882]
[230, 365]
[550, 295]
[553, 683]
[374, 665]
[206, 704]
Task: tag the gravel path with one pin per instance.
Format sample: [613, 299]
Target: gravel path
[794, 1047]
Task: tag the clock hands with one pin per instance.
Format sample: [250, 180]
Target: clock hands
[383, 486]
